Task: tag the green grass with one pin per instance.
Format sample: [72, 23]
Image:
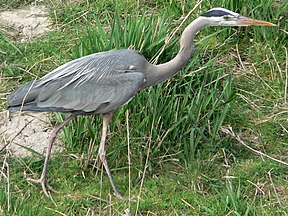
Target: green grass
[190, 163]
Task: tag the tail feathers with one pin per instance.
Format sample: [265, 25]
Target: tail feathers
[33, 107]
[24, 94]
[24, 98]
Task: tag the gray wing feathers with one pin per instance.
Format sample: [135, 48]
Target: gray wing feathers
[95, 96]
[96, 66]
[98, 83]
[27, 91]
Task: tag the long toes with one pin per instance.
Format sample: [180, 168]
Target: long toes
[51, 188]
[44, 188]
[119, 196]
[44, 185]
[37, 181]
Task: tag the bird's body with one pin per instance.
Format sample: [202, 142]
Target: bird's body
[102, 82]
[97, 83]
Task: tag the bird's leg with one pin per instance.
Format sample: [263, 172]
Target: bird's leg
[102, 153]
[42, 179]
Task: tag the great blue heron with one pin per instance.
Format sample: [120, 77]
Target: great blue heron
[102, 82]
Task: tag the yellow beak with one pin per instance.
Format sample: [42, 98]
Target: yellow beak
[245, 21]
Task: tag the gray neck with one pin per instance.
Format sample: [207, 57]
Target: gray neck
[161, 72]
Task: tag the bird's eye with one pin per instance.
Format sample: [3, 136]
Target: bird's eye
[225, 17]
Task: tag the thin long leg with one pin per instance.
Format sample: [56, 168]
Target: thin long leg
[54, 133]
[102, 153]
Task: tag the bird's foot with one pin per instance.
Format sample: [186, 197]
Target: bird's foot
[45, 185]
[118, 195]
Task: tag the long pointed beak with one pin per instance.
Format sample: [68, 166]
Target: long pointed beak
[245, 21]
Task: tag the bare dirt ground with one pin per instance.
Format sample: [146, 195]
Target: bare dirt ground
[23, 134]
[26, 23]
[28, 132]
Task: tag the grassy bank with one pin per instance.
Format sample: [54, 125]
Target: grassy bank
[187, 136]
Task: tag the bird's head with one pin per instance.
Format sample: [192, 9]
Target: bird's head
[224, 17]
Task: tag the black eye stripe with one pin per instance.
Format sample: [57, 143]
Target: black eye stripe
[217, 13]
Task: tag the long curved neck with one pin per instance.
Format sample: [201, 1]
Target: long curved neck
[164, 71]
